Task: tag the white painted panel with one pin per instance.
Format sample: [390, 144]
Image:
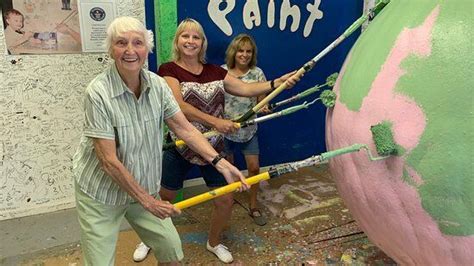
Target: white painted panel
[40, 124]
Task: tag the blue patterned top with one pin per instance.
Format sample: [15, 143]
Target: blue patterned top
[236, 106]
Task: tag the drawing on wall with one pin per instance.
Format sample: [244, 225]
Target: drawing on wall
[41, 26]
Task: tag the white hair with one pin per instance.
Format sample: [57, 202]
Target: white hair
[121, 25]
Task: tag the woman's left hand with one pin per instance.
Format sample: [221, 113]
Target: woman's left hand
[232, 174]
[289, 78]
[265, 109]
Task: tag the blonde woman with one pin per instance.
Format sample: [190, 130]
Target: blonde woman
[199, 90]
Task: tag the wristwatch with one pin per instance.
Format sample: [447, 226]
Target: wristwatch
[217, 159]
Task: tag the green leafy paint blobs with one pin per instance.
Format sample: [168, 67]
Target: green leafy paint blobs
[331, 80]
[328, 98]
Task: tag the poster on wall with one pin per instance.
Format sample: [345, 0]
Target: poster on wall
[95, 17]
[41, 27]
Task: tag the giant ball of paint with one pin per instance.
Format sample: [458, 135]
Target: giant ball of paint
[413, 67]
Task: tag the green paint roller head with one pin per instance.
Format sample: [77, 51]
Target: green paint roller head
[384, 143]
[328, 98]
[383, 139]
[331, 80]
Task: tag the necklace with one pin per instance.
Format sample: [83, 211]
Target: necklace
[196, 70]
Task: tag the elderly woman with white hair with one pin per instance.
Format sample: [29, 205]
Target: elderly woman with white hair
[117, 167]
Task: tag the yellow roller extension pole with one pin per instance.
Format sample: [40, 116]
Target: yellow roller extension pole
[220, 191]
[277, 91]
[180, 142]
[209, 134]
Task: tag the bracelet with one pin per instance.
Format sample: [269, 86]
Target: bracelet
[217, 159]
[272, 84]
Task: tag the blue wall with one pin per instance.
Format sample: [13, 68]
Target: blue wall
[150, 24]
[301, 134]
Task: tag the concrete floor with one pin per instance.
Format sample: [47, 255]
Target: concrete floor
[308, 224]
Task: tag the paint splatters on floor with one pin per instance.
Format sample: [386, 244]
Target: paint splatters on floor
[307, 224]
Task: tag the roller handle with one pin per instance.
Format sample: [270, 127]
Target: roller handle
[269, 97]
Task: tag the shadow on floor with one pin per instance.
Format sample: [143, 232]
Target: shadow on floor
[307, 224]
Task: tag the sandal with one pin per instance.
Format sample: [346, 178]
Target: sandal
[257, 216]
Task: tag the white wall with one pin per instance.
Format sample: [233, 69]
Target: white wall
[40, 124]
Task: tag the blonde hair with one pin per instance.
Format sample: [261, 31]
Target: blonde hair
[190, 24]
[121, 25]
[237, 43]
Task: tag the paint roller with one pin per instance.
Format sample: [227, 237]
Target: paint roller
[381, 134]
[327, 97]
[310, 64]
[306, 67]
[330, 81]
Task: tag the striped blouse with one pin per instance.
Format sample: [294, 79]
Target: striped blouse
[113, 112]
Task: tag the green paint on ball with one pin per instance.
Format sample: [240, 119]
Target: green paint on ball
[441, 85]
[443, 157]
[380, 40]
[407, 178]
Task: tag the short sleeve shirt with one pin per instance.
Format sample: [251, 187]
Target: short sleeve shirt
[236, 106]
[113, 112]
[12, 37]
[205, 92]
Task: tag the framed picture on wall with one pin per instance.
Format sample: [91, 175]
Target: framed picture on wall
[95, 17]
[30, 27]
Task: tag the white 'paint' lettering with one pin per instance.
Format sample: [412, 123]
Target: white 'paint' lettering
[314, 13]
[218, 16]
[251, 13]
[252, 18]
[286, 11]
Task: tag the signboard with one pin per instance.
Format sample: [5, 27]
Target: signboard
[95, 18]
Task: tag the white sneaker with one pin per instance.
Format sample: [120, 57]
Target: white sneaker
[221, 251]
[141, 251]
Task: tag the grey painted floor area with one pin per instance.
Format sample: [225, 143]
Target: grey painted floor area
[28, 235]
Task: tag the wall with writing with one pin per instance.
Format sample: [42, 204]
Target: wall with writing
[40, 124]
[41, 95]
[288, 33]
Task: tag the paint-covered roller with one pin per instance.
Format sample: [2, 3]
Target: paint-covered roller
[330, 81]
[328, 98]
[287, 111]
[383, 139]
[292, 167]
